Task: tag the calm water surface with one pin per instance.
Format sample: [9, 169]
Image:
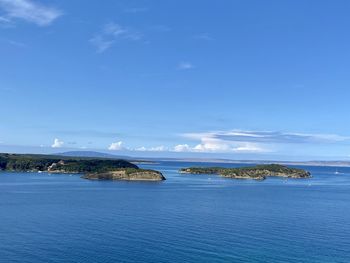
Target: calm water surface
[188, 218]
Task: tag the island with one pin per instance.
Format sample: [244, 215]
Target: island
[89, 168]
[129, 174]
[258, 172]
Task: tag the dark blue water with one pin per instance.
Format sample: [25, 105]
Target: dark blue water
[188, 218]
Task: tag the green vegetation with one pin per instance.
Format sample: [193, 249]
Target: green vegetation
[51, 163]
[129, 171]
[258, 172]
[91, 168]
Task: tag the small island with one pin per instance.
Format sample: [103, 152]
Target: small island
[90, 168]
[258, 172]
[129, 174]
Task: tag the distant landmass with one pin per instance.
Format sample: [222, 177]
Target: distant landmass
[91, 168]
[260, 162]
[258, 172]
[92, 154]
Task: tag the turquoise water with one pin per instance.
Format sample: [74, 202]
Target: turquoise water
[188, 218]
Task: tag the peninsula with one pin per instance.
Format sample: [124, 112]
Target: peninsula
[90, 168]
[258, 172]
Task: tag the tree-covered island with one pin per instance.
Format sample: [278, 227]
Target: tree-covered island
[90, 168]
[258, 172]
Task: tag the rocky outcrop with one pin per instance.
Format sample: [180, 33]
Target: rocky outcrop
[127, 175]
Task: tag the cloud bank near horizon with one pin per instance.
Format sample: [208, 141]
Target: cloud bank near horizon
[229, 143]
[241, 141]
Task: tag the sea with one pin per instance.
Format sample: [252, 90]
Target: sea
[187, 218]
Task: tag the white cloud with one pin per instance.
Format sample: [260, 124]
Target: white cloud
[207, 145]
[141, 149]
[249, 148]
[110, 33]
[182, 148]
[57, 143]
[185, 66]
[116, 146]
[160, 148]
[221, 146]
[29, 11]
[211, 143]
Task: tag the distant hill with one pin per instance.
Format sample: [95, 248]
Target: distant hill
[92, 154]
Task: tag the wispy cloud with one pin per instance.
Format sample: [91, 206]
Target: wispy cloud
[101, 43]
[269, 136]
[4, 20]
[240, 141]
[15, 43]
[57, 143]
[6, 23]
[251, 141]
[110, 34]
[28, 11]
[185, 66]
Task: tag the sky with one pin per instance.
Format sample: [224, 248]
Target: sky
[238, 79]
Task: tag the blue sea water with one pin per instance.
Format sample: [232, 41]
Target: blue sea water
[187, 218]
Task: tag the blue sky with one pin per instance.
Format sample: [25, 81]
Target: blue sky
[232, 79]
